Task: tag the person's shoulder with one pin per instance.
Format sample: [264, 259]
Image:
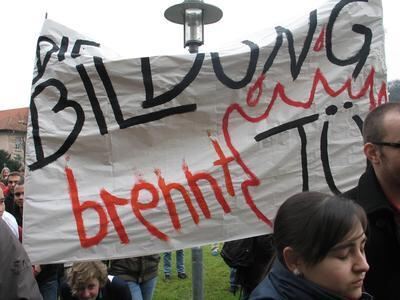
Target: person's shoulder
[366, 296]
[9, 217]
[118, 288]
[11, 222]
[351, 194]
[265, 291]
[115, 281]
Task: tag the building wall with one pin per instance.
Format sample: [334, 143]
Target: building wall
[13, 142]
[13, 126]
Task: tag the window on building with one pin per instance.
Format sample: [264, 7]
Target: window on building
[19, 143]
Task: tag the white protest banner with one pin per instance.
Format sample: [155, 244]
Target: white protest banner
[129, 157]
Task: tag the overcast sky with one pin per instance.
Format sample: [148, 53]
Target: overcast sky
[138, 28]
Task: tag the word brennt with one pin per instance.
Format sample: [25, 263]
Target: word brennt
[111, 201]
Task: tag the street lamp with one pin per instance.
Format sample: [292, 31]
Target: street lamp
[193, 14]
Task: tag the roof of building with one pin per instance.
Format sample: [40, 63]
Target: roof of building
[14, 119]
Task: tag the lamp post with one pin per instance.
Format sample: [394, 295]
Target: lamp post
[194, 14]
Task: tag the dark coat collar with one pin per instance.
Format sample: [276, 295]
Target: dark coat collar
[296, 287]
[282, 284]
[370, 194]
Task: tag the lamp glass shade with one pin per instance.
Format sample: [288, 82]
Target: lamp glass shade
[193, 27]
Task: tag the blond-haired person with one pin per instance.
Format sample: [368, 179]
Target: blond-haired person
[90, 281]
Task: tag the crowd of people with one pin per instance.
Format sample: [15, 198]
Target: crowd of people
[322, 247]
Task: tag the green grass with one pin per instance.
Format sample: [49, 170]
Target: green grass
[215, 279]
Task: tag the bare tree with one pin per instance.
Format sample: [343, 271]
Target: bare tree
[394, 90]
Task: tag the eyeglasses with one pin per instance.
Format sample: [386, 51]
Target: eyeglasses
[393, 145]
[19, 194]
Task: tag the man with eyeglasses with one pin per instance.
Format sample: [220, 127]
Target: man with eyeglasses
[13, 179]
[378, 192]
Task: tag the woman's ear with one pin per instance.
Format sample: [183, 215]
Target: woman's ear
[292, 260]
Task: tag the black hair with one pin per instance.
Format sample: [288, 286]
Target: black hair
[373, 128]
[312, 223]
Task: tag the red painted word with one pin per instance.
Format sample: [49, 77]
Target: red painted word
[108, 212]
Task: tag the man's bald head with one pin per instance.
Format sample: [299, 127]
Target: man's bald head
[374, 126]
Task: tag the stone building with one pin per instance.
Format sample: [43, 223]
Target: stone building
[13, 123]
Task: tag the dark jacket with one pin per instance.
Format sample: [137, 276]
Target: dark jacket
[263, 252]
[383, 247]
[137, 269]
[280, 284]
[49, 273]
[17, 213]
[9, 202]
[115, 289]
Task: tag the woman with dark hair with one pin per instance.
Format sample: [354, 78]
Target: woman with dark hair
[319, 242]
